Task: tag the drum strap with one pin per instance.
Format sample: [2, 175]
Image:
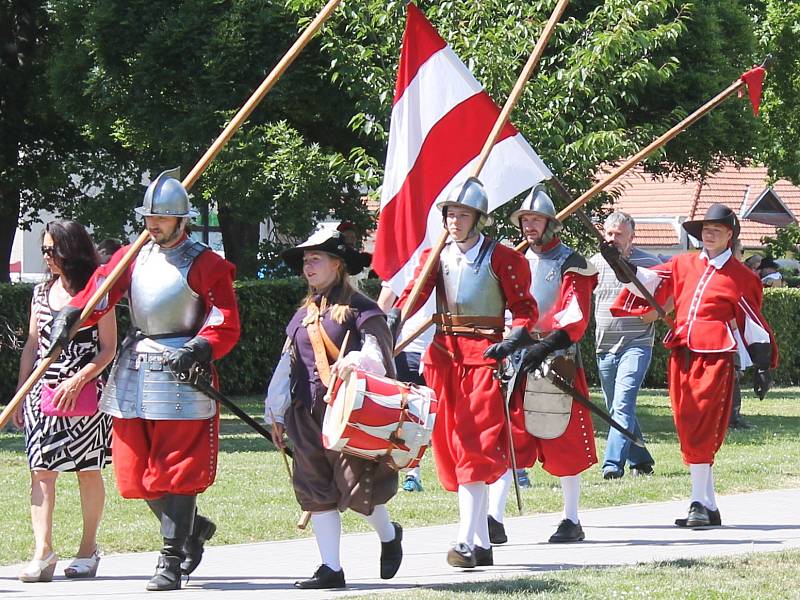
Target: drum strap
[313, 323]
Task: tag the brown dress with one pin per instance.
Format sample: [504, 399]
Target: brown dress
[323, 479]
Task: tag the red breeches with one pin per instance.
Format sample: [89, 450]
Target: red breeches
[154, 458]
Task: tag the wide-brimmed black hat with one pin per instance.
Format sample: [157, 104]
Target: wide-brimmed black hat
[716, 213]
[330, 242]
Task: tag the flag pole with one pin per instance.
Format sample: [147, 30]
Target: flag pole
[188, 182]
[656, 144]
[502, 119]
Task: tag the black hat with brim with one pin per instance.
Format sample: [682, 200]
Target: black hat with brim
[330, 242]
[716, 213]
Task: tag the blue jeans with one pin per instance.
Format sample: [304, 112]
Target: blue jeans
[621, 375]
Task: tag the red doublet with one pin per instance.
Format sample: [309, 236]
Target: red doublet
[469, 438]
[716, 309]
[573, 451]
[153, 458]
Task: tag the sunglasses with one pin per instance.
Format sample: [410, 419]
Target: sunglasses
[48, 250]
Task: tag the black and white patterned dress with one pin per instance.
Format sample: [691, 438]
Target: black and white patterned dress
[64, 443]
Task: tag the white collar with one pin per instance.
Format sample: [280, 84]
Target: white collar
[719, 261]
[470, 255]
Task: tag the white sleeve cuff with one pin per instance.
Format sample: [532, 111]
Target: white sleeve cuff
[278, 393]
[369, 358]
[649, 278]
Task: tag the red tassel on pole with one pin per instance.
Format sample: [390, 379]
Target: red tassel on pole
[754, 80]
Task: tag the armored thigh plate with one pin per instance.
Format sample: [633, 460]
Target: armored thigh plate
[142, 385]
[547, 408]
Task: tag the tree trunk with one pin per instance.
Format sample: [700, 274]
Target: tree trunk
[240, 240]
[9, 215]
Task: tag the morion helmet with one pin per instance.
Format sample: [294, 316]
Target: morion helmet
[537, 202]
[166, 197]
[473, 195]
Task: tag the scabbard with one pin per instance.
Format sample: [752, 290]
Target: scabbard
[204, 386]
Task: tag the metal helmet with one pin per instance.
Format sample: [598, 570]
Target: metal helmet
[166, 197]
[537, 202]
[473, 195]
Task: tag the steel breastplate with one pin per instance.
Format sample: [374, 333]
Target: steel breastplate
[546, 281]
[470, 289]
[161, 300]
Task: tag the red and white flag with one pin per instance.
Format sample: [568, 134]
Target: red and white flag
[441, 119]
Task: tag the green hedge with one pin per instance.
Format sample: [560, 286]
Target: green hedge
[266, 307]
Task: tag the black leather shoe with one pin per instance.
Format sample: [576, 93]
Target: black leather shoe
[497, 531]
[698, 515]
[392, 553]
[714, 519]
[168, 575]
[324, 578]
[204, 529]
[462, 556]
[567, 532]
[612, 474]
[484, 557]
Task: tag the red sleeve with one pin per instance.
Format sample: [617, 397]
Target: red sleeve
[514, 274]
[575, 304]
[629, 304]
[426, 290]
[211, 277]
[115, 294]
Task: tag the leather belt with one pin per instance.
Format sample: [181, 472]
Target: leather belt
[469, 325]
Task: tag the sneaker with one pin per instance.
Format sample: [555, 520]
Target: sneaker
[567, 532]
[497, 531]
[643, 470]
[461, 556]
[522, 478]
[412, 484]
[612, 474]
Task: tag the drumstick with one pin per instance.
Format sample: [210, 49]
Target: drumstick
[332, 380]
[302, 522]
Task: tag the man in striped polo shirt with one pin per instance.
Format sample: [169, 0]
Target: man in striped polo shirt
[624, 346]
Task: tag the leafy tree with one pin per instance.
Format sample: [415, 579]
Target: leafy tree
[614, 76]
[152, 83]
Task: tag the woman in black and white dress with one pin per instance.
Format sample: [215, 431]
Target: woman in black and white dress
[57, 444]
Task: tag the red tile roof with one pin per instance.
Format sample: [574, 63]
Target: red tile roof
[641, 195]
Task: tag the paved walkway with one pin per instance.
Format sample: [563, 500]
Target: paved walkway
[626, 535]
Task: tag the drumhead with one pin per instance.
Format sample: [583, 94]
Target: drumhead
[337, 414]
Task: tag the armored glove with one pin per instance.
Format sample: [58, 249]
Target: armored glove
[612, 256]
[761, 355]
[393, 318]
[196, 351]
[61, 326]
[518, 338]
[535, 355]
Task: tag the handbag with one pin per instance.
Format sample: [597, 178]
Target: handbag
[85, 404]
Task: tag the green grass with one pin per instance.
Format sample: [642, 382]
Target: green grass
[252, 499]
[771, 575]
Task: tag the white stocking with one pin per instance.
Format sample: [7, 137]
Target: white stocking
[571, 488]
[711, 498]
[379, 519]
[472, 514]
[498, 495]
[700, 474]
[413, 473]
[328, 531]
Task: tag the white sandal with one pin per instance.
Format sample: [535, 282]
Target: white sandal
[82, 568]
[39, 570]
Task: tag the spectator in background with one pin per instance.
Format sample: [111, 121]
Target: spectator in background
[770, 276]
[624, 347]
[63, 430]
[754, 262]
[106, 249]
[352, 237]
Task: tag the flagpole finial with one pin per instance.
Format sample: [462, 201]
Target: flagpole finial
[768, 59]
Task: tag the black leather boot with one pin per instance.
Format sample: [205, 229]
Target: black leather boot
[392, 553]
[202, 531]
[168, 568]
[177, 520]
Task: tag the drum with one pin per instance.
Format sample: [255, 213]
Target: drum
[378, 418]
